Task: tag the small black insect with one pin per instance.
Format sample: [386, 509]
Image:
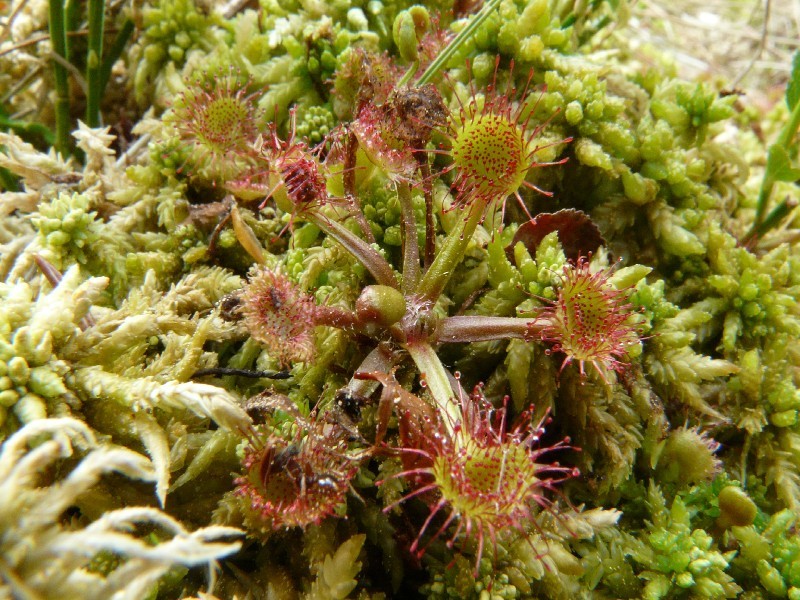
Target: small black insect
[283, 462]
[229, 306]
[350, 403]
[276, 298]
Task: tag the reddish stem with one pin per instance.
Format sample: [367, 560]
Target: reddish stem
[349, 182]
[482, 329]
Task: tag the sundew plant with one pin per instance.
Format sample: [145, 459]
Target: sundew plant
[363, 300]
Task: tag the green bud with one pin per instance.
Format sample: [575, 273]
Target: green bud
[18, 370]
[357, 20]
[574, 89]
[183, 40]
[409, 26]
[708, 588]
[594, 110]
[750, 373]
[736, 508]
[175, 53]
[36, 345]
[784, 397]
[437, 588]
[696, 169]
[328, 60]
[5, 382]
[30, 408]
[629, 276]
[58, 238]
[530, 48]
[770, 578]
[654, 170]
[724, 284]
[780, 523]
[535, 17]
[508, 37]
[720, 110]
[526, 265]
[483, 65]
[592, 154]
[45, 382]
[574, 112]
[658, 587]
[638, 189]
[8, 398]
[380, 304]
[786, 418]
[556, 37]
[684, 580]
[392, 236]
[751, 309]
[700, 566]
[634, 350]
[153, 53]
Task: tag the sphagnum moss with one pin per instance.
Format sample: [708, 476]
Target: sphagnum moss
[144, 359]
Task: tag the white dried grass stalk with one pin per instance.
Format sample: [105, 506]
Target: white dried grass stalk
[155, 442]
[146, 393]
[40, 558]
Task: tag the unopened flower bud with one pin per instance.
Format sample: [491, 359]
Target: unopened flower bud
[380, 304]
[18, 370]
[736, 508]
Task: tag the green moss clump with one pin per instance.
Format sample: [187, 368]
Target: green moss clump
[603, 339]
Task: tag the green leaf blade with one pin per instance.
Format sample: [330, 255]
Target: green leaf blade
[793, 87]
[779, 165]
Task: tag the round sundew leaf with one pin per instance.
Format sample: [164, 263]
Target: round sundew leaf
[493, 145]
[484, 473]
[490, 152]
[279, 315]
[218, 119]
[590, 321]
[298, 480]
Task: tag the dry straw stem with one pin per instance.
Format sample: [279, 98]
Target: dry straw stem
[40, 558]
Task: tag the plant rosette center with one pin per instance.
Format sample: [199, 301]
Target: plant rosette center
[419, 323]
